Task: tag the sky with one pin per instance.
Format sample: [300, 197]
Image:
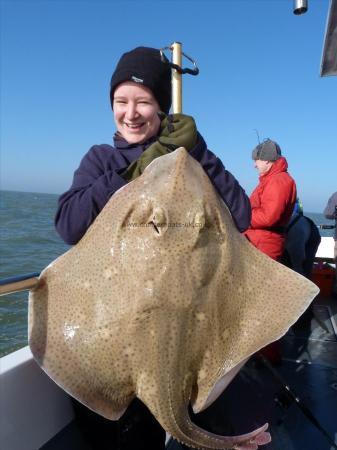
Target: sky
[259, 70]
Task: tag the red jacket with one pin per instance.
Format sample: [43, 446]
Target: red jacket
[272, 204]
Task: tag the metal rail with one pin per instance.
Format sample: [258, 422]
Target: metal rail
[19, 283]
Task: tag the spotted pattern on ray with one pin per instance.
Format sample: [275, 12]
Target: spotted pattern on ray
[162, 299]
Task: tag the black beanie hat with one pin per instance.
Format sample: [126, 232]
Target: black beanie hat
[267, 151]
[143, 65]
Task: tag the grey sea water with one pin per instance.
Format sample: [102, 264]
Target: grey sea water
[28, 243]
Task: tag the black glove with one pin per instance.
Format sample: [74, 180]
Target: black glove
[176, 130]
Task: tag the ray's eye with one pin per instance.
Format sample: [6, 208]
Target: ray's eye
[155, 226]
[158, 219]
[141, 213]
[159, 216]
[200, 220]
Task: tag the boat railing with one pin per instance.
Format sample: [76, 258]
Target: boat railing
[326, 227]
[19, 283]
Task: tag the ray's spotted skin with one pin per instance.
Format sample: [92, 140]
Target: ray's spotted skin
[162, 299]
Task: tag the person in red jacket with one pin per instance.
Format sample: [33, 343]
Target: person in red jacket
[272, 201]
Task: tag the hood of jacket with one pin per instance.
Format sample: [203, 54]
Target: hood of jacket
[280, 165]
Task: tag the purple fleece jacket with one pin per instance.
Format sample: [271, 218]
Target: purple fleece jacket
[99, 176]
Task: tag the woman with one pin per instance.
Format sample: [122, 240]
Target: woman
[140, 95]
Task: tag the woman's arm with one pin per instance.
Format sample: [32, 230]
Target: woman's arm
[93, 184]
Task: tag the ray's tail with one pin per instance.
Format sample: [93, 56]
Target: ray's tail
[185, 431]
[174, 418]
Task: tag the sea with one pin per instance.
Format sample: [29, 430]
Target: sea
[28, 243]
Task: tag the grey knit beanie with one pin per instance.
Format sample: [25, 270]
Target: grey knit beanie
[268, 150]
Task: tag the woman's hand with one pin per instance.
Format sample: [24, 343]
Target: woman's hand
[176, 130]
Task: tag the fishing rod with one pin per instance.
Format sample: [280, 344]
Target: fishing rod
[305, 410]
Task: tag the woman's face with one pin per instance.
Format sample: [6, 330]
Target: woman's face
[135, 112]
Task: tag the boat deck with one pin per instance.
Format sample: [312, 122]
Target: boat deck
[257, 396]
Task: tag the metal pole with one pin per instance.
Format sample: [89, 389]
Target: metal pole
[300, 6]
[176, 78]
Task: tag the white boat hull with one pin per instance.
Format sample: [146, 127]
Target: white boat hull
[33, 407]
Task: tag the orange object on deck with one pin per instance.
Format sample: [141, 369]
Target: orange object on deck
[323, 276]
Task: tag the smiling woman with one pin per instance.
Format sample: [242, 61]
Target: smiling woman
[135, 112]
[140, 96]
[140, 90]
